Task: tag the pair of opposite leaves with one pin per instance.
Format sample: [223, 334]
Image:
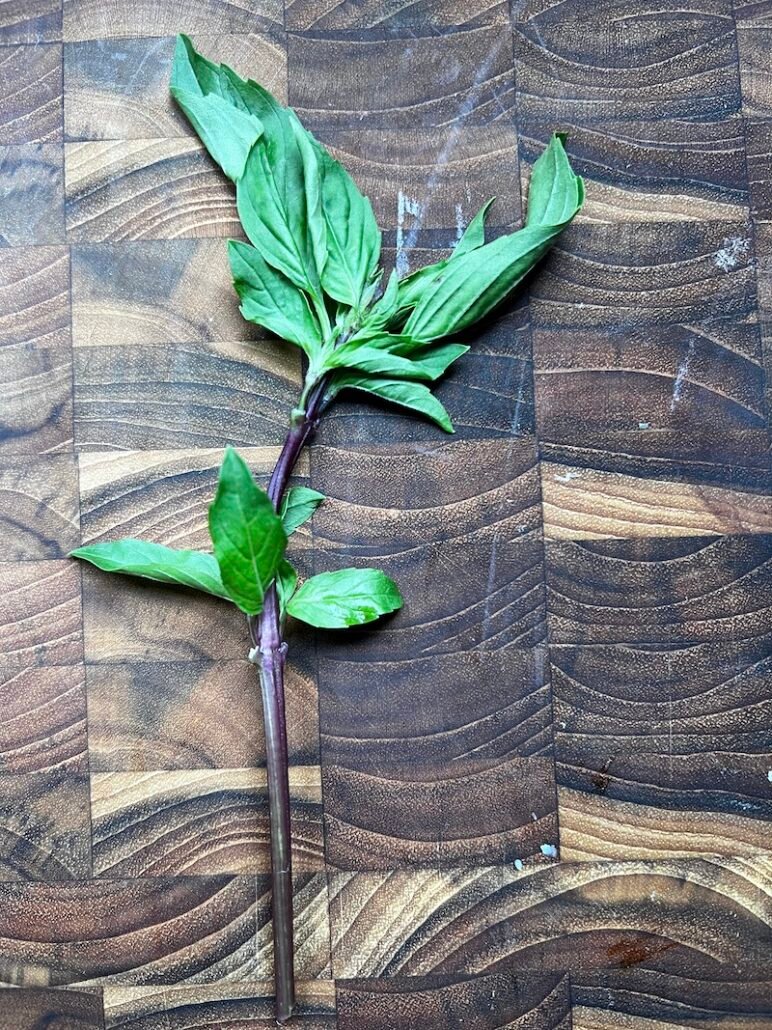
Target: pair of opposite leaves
[311, 275]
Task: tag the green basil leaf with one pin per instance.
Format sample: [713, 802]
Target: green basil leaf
[555, 192]
[312, 184]
[298, 506]
[375, 361]
[404, 393]
[435, 361]
[474, 236]
[247, 534]
[475, 283]
[349, 597]
[227, 130]
[286, 582]
[424, 362]
[154, 561]
[353, 236]
[270, 299]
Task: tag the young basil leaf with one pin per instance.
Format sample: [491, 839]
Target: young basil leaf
[298, 506]
[404, 393]
[474, 236]
[286, 582]
[374, 360]
[271, 300]
[353, 236]
[228, 131]
[555, 192]
[154, 561]
[312, 182]
[349, 597]
[247, 534]
[435, 361]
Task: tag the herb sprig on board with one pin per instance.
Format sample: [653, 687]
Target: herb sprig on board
[311, 275]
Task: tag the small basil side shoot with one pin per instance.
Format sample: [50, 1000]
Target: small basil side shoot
[310, 273]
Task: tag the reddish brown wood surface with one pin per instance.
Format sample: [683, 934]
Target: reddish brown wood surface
[539, 797]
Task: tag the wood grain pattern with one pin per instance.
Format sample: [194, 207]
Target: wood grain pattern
[181, 396]
[119, 89]
[468, 814]
[758, 136]
[31, 94]
[45, 831]
[194, 715]
[165, 291]
[495, 1002]
[31, 194]
[649, 95]
[36, 385]
[393, 15]
[30, 21]
[35, 297]
[468, 523]
[672, 918]
[205, 822]
[641, 745]
[633, 1000]
[465, 77]
[40, 615]
[39, 1007]
[753, 45]
[38, 507]
[146, 189]
[660, 592]
[44, 720]
[91, 19]
[223, 1005]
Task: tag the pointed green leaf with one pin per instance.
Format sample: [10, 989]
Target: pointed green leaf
[474, 236]
[404, 393]
[227, 131]
[298, 506]
[271, 300]
[375, 361]
[286, 582]
[555, 192]
[154, 561]
[349, 597]
[247, 534]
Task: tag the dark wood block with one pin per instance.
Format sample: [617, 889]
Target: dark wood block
[37, 1007]
[31, 94]
[311, 926]
[650, 98]
[164, 495]
[45, 829]
[479, 1003]
[44, 720]
[432, 712]
[194, 715]
[662, 752]
[456, 525]
[119, 89]
[164, 291]
[227, 1006]
[38, 507]
[679, 917]
[753, 13]
[30, 21]
[668, 592]
[631, 998]
[395, 16]
[198, 929]
[35, 297]
[590, 494]
[466, 813]
[426, 184]
[132, 620]
[753, 44]
[146, 190]
[40, 614]
[433, 80]
[36, 386]
[202, 822]
[759, 142]
[183, 395]
[31, 194]
[638, 392]
[92, 19]
[633, 278]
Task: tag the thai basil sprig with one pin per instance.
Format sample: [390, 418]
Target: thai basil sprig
[311, 275]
